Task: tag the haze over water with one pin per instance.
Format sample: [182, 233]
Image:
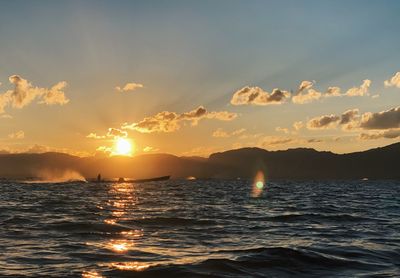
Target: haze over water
[200, 228]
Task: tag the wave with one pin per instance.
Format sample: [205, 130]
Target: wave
[171, 221]
[307, 217]
[259, 262]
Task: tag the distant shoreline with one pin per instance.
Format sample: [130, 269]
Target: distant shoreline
[293, 164]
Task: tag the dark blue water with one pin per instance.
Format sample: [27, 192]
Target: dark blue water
[200, 229]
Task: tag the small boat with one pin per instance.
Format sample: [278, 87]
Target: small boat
[163, 178]
[122, 180]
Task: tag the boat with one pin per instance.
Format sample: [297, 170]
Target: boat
[122, 180]
[163, 178]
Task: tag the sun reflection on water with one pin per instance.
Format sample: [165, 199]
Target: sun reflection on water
[135, 266]
[91, 274]
[110, 221]
[119, 245]
[132, 233]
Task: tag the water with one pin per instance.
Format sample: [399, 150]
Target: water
[200, 229]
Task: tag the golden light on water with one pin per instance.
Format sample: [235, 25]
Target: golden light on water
[119, 246]
[110, 221]
[132, 233]
[91, 274]
[258, 184]
[136, 266]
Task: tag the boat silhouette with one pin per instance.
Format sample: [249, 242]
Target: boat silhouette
[123, 180]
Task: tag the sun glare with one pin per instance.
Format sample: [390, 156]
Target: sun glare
[123, 147]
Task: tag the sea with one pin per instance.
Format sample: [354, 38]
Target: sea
[200, 228]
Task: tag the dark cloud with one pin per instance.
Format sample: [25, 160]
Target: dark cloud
[381, 120]
[323, 122]
[388, 134]
[170, 121]
[257, 96]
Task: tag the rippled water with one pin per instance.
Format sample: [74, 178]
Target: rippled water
[200, 229]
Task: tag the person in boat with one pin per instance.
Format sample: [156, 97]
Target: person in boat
[98, 177]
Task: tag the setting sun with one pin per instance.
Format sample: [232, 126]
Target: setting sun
[123, 147]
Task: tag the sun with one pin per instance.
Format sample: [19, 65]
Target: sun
[123, 147]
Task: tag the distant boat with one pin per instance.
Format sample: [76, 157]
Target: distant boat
[122, 180]
[163, 178]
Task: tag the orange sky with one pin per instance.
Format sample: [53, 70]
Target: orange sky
[184, 80]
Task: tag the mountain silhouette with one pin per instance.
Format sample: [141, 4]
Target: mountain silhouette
[300, 163]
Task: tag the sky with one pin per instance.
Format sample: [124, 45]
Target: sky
[196, 77]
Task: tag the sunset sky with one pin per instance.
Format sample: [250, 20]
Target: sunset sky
[196, 77]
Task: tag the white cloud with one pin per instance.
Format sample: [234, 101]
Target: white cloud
[220, 133]
[24, 93]
[282, 129]
[95, 136]
[393, 81]
[17, 135]
[309, 96]
[148, 149]
[359, 91]
[305, 85]
[298, 125]
[129, 87]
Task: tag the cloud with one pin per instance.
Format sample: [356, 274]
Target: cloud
[5, 99]
[387, 121]
[307, 94]
[25, 93]
[298, 125]
[257, 96]
[323, 122]
[104, 150]
[381, 120]
[112, 132]
[166, 121]
[95, 136]
[220, 133]
[388, 134]
[149, 149]
[313, 140]
[305, 85]
[393, 81]
[276, 140]
[348, 119]
[307, 97]
[17, 135]
[348, 116]
[359, 91]
[6, 116]
[333, 92]
[38, 149]
[129, 87]
[117, 133]
[281, 129]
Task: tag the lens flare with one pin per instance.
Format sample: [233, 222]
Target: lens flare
[258, 184]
